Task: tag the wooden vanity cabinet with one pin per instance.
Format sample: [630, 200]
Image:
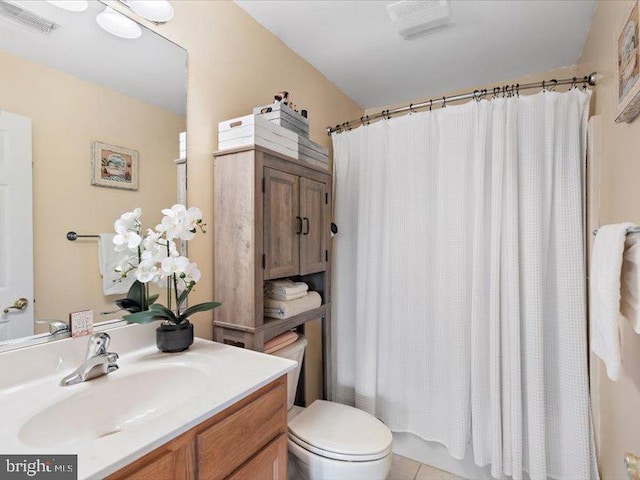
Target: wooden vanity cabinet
[246, 441]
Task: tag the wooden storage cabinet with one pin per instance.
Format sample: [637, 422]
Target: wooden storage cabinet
[246, 441]
[272, 221]
[295, 218]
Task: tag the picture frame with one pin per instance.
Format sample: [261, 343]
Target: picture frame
[113, 166]
[628, 65]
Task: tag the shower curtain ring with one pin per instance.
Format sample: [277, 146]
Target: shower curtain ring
[573, 83]
[476, 96]
[496, 92]
[544, 86]
[362, 121]
[517, 90]
[554, 83]
[444, 102]
[430, 104]
[411, 110]
[368, 122]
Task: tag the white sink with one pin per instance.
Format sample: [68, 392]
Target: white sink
[117, 402]
[115, 419]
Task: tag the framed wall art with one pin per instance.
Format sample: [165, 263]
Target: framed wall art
[113, 166]
[628, 66]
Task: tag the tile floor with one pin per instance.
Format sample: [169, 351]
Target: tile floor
[404, 468]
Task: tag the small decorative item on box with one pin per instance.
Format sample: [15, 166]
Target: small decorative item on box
[155, 258]
[253, 130]
[81, 323]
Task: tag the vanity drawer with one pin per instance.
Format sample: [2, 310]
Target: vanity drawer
[269, 464]
[229, 443]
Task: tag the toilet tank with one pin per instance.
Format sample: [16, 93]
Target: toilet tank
[295, 351]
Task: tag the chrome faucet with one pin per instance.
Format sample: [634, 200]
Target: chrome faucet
[97, 362]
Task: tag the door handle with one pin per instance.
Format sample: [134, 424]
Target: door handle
[298, 225]
[19, 304]
[306, 232]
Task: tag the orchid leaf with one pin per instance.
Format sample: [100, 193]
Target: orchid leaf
[201, 307]
[153, 298]
[129, 305]
[136, 292]
[147, 316]
[183, 296]
[164, 312]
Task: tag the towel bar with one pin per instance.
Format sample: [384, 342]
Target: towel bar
[630, 230]
[71, 236]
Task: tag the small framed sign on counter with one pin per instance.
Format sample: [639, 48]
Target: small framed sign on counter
[81, 323]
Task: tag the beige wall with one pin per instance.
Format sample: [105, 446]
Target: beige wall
[617, 403]
[234, 65]
[67, 115]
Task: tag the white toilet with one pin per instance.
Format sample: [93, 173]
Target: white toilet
[331, 441]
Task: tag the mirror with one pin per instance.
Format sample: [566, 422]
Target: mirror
[71, 99]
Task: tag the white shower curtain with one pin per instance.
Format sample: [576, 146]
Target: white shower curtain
[459, 281]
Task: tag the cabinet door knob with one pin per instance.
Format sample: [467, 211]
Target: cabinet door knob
[298, 225]
[306, 232]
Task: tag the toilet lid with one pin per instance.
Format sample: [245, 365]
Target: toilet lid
[340, 432]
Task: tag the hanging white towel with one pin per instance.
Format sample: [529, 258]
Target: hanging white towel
[630, 296]
[604, 295]
[108, 260]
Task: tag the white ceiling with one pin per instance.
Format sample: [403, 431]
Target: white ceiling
[355, 45]
[149, 68]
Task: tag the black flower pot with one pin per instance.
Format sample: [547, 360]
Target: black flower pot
[171, 338]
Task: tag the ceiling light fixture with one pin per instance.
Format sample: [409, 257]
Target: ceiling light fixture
[158, 11]
[117, 24]
[70, 5]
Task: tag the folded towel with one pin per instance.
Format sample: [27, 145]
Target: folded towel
[285, 289]
[280, 341]
[604, 295]
[630, 295]
[288, 308]
[108, 260]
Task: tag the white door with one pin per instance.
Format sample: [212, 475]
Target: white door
[16, 230]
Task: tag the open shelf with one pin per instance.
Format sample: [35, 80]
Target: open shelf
[273, 326]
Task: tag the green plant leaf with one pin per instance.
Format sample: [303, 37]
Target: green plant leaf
[129, 305]
[201, 307]
[164, 312]
[147, 316]
[136, 292]
[183, 296]
[153, 298]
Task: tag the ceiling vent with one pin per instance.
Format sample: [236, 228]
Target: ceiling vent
[26, 18]
[414, 17]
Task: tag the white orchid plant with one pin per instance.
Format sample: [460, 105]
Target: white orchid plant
[154, 258]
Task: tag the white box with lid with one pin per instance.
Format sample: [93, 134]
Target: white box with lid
[253, 130]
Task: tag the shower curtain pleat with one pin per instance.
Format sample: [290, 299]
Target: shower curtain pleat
[459, 284]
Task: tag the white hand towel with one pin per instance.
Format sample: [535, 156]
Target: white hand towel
[630, 299]
[285, 289]
[604, 295]
[108, 260]
[288, 308]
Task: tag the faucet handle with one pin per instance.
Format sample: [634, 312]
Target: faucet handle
[98, 344]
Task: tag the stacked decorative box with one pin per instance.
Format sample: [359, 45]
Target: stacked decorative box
[282, 129]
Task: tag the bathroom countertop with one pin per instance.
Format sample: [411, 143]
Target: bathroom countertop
[115, 419]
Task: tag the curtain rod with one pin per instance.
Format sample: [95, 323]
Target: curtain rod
[505, 90]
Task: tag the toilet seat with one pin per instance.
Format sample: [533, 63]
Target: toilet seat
[340, 432]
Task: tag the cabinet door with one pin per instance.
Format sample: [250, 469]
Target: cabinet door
[281, 224]
[313, 240]
[268, 464]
